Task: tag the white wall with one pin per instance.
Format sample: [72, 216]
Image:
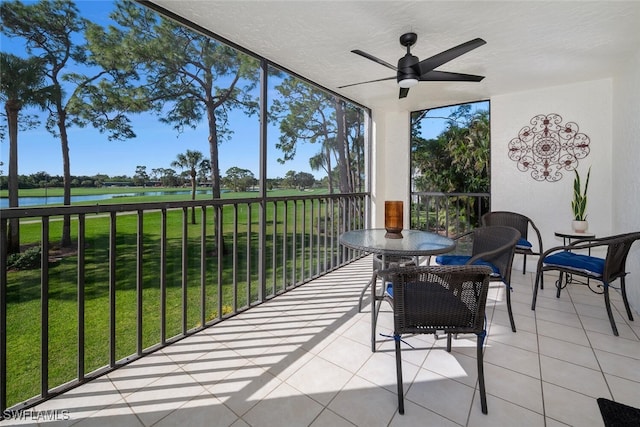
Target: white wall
[548, 204]
[626, 161]
[390, 155]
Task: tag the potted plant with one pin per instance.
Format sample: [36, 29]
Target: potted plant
[579, 203]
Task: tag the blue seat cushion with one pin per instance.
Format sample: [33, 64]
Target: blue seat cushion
[580, 263]
[462, 260]
[523, 244]
[390, 289]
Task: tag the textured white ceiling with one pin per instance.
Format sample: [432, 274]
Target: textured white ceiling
[530, 44]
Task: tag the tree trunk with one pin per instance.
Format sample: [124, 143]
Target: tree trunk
[215, 166]
[12, 109]
[343, 167]
[213, 153]
[193, 197]
[329, 168]
[64, 142]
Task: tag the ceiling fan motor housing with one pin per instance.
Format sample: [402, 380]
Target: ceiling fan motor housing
[407, 68]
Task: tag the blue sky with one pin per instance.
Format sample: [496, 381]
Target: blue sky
[156, 144]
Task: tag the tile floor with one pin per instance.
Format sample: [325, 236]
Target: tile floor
[304, 359]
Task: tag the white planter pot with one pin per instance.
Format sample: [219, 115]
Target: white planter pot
[579, 226]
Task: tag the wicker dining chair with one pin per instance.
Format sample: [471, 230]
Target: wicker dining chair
[437, 299]
[390, 261]
[521, 223]
[493, 246]
[569, 262]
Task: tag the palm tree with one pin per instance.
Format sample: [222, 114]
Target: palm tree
[191, 161]
[21, 85]
[322, 160]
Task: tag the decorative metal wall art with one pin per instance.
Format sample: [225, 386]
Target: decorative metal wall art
[548, 147]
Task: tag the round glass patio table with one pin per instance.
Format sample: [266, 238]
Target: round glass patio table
[414, 243]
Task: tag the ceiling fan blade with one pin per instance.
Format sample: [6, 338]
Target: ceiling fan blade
[370, 81]
[404, 91]
[444, 76]
[435, 61]
[374, 59]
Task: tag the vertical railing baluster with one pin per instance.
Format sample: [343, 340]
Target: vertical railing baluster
[303, 240]
[428, 219]
[203, 265]
[3, 314]
[44, 309]
[248, 257]
[112, 290]
[274, 248]
[219, 209]
[318, 259]
[325, 234]
[163, 276]
[334, 224]
[285, 235]
[81, 299]
[139, 280]
[294, 255]
[235, 257]
[262, 254]
[336, 230]
[343, 219]
[311, 238]
[185, 266]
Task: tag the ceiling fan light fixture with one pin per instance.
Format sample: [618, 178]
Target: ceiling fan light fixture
[406, 83]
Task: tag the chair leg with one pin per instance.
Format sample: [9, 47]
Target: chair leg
[396, 338]
[559, 283]
[524, 264]
[362, 296]
[374, 317]
[623, 289]
[607, 304]
[513, 323]
[535, 289]
[449, 342]
[483, 394]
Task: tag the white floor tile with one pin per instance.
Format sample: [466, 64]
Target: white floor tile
[573, 377]
[441, 395]
[570, 407]
[320, 379]
[502, 413]
[569, 352]
[284, 406]
[364, 404]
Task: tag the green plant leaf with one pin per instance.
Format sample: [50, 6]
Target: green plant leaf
[579, 202]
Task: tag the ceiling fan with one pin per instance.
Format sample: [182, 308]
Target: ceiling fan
[411, 70]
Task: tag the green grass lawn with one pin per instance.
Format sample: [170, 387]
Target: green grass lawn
[24, 288]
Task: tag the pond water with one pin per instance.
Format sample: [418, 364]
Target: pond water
[53, 200]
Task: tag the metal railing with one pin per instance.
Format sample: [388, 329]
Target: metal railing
[142, 276]
[449, 214]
